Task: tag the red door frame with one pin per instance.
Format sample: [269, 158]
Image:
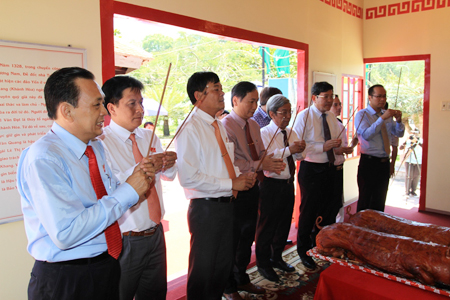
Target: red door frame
[426, 112]
[110, 7]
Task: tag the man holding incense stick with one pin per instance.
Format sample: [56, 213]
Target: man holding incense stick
[143, 260]
[321, 130]
[277, 195]
[249, 149]
[375, 128]
[211, 182]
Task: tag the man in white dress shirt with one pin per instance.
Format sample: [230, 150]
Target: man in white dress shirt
[143, 260]
[210, 183]
[277, 194]
[317, 171]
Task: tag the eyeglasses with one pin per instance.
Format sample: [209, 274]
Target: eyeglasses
[326, 97]
[284, 113]
[379, 96]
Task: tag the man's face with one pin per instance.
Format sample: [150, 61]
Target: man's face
[90, 112]
[282, 117]
[129, 112]
[245, 108]
[378, 98]
[336, 107]
[213, 101]
[323, 101]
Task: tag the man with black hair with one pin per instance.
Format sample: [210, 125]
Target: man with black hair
[211, 182]
[261, 116]
[375, 129]
[245, 134]
[143, 260]
[317, 171]
[70, 198]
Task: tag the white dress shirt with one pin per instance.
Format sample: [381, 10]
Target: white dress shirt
[314, 136]
[277, 147]
[119, 155]
[340, 159]
[202, 170]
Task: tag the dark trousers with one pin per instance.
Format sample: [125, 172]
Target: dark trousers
[98, 280]
[317, 182]
[373, 182]
[245, 214]
[143, 267]
[211, 255]
[274, 221]
[412, 177]
[338, 189]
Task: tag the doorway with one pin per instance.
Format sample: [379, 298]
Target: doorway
[406, 80]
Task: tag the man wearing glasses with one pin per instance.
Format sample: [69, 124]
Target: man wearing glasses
[375, 128]
[320, 130]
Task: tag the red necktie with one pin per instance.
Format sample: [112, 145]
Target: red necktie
[226, 157]
[154, 207]
[253, 152]
[112, 233]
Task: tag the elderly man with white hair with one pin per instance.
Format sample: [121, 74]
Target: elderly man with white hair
[277, 190]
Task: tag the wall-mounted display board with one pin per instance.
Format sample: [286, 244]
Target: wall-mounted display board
[328, 77]
[24, 69]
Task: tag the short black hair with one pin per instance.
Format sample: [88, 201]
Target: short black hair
[198, 81]
[268, 92]
[370, 91]
[61, 87]
[320, 87]
[148, 123]
[241, 90]
[114, 87]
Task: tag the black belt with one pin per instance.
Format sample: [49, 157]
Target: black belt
[228, 199]
[340, 167]
[286, 181]
[380, 159]
[149, 232]
[84, 261]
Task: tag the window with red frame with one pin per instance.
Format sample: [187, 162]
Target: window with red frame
[352, 98]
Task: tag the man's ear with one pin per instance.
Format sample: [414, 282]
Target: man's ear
[66, 110]
[111, 109]
[271, 114]
[235, 100]
[199, 97]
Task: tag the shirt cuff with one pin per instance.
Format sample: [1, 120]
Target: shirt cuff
[226, 184]
[126, 196]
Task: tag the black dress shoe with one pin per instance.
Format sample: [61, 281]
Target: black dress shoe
[282, 265]
[251, 288]
[288, 242]
[269, 273]
[307, 261]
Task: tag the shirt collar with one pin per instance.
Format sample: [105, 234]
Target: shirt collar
[77, 146]
[261, 111]
[121, 132]
[241, 122]
[205, 116]
[317, 111]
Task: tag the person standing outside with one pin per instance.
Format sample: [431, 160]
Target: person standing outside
[261, 116]
[70, 198]
[375, 128]
[245, 134]
[143, 261]
[211, 182]
[277, 194]
[317, 171]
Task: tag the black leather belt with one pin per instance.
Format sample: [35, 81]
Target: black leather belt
[380, 159]
[286, 181]
[148, 232]
[228, 199]
[340, 167]
[84, 261]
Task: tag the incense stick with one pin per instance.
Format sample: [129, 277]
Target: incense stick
[159, 109]
[347, 122]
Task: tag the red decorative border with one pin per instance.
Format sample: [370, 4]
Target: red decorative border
[405, 7]
[346, 6]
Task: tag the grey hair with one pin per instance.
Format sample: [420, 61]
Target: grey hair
[275, 102]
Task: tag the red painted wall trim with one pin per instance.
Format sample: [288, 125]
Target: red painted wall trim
[426, 114]
[107, 36]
